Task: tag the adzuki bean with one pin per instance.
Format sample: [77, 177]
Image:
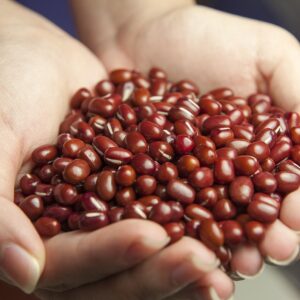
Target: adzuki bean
[214, 167]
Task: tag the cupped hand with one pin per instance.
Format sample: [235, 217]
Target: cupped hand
[40, 68]
[217, 49]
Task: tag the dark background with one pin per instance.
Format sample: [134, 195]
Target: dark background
[281, 12]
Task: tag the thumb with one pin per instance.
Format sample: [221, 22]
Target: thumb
[280, 65]
[22, 253]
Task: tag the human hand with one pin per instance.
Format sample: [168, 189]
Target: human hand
[215, 49]
[40, 68]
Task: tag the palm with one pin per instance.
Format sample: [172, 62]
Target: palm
[216, 50]
[36, 100]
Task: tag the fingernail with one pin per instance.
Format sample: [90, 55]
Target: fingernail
[189, 269]
[213, 294]
[142, 248]
[294, 257]
[238, 276]
[19, 267]
[235, 276]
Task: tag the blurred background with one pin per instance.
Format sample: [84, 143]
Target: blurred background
[275, 283]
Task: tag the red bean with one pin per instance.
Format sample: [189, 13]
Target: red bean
[76, 171]
[204, 140]
[241, 190]
[261, 210]
[187, 164]
[166, 172]
[161, 213]
[185, 127]
[44, 154]
[292, 119]
[239, 145]
[79, 97]
[287, 182]
[216, 122]
[93, 220]
[90, 183]
[259, 150]
[97, 123]
[181, 191]
[58, 212]
[175, 231]
[289, 166]
[241, 132]
[184, 144]
[32, 206]
[227, 153]
[265, 182]
[143, 164]
[207, 197]
[105, 108]
[210, 234]
[224, 170]
[192, 228]
[106, 185]
[280, 151]
[125, 196]
[28, 184]
[246, 165]
[221, 136]
[210, 106]
[201, 178]
[271, 123]
[72, 147]
[135, 210]
[120, 76]
[255, 231]
[47, 227]
[254, 98]
[221, 93]
[268, 164]
[145, 185]
[126, 115]
[125, 175]
[117, 156]
[115, 214]
[205, 155]
[91, 202]
[224, 210]
[161, 151]
[65, 194]
[233, 232]
[187, 85]
[295, 154]
[197, 212]
[266, 135]
[104, 87]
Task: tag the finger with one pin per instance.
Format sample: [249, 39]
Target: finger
[246, 262]
[87, 257]
[22, 252]
[280, 245]
[215, 285]
[281, 66]
[289, 213]
[162, 275]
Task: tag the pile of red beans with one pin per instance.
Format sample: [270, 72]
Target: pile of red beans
[214, 167]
